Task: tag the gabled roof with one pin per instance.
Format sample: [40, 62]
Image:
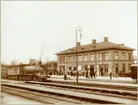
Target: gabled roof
[95, 47]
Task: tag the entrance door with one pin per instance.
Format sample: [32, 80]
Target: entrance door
[91, 70]
[86, 69]
[116, 69]
[101, 71]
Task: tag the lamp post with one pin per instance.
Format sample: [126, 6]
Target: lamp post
[80, 30]
[95, 64]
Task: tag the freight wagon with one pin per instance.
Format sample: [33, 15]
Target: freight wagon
[134, 70]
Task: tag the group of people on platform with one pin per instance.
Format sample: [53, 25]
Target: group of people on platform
[91, 74]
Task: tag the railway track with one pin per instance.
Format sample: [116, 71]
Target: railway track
[77, 94]
[48, 97]
[95, 85]
[93, 90]
[43, 98]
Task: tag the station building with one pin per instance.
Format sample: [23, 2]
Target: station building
[102, 57]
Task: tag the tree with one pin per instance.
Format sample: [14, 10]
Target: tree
[14, 62]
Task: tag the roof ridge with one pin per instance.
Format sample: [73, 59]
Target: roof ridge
[99, 45]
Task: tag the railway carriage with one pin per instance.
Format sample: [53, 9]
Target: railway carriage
[134, 70]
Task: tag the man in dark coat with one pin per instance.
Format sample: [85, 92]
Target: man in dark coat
[110, 75]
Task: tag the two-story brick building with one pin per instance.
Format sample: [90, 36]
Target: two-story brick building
[102, 57]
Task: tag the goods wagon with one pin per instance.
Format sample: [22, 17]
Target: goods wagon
[134, 71]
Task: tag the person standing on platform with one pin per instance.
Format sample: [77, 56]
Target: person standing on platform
[71, 73]
[94, 74]
[91, 74]
[110, 74]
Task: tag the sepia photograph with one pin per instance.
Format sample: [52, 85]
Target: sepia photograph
[69, 52]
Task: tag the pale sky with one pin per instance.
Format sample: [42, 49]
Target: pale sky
[25, 25]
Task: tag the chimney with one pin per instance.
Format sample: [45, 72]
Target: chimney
[122, 45]
[78, 44]
[94, 41]
[105, 39]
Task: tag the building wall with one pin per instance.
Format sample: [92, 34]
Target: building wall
[126, 61]
[99, 64]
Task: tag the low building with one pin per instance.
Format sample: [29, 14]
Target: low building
[102, 57]
[4, 71]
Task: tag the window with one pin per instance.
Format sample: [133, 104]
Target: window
[63, 59]
[92, 57]
[129, 67]
[72, 49]
[60, 68]
[74, 58]
[85, 57]
[106, 68]
[106, 56]
[116, 55]
[86, 67]
[74, 68]
[129, 56]
[82, 48]
[116, 68]
[60, 60]
[70, 58]
[80, 58]
[100, 56]
[69, 68]
[123, 56]
[63, 68]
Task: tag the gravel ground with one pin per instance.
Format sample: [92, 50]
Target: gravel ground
[12, 99]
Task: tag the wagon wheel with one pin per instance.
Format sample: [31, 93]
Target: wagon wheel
[34, 79]
[29, 78]
[39, 79]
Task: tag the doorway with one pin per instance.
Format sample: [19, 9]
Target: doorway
[91, 71]
[101, 70]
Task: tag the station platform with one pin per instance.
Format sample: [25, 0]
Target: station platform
[101, 80]
[122, 81]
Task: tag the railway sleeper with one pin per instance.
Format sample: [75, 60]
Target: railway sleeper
[115, 92]
[126, 93]
[91, 100]
[135, 95]
[93, 84]
[95, 89]
[105, 91]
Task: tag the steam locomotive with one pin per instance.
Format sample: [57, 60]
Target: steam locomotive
[25, 72]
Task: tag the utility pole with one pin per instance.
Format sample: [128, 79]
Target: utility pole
[80, 30]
